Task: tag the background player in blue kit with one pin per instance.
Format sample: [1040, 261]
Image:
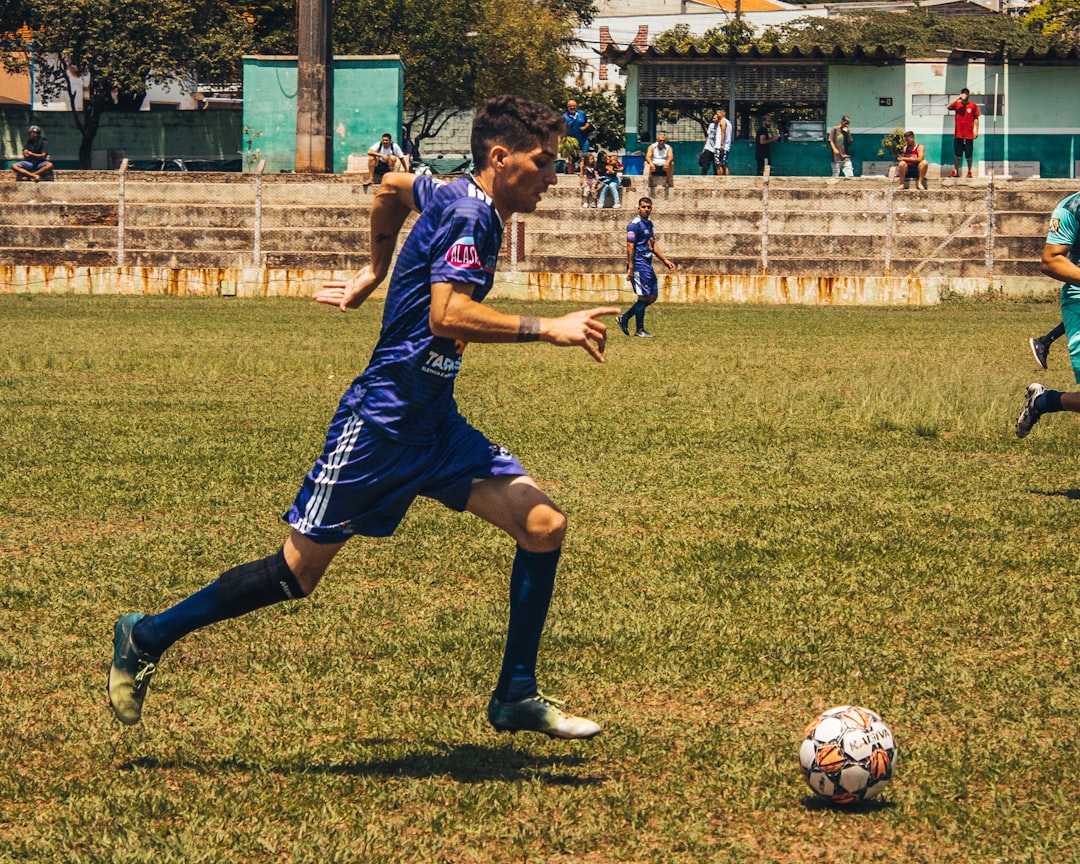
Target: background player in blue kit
[397, 432]
[1059, 259]
[640, 248]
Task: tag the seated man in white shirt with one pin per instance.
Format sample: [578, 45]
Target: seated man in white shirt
[384, 156]
[659, 162]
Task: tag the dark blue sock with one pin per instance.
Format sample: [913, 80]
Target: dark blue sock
[236, 592]
[532, 581]
[155, 633]
[1048, 402]
[638, 312]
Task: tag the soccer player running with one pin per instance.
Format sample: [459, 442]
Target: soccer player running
[397, 432]
[640, 248]
[1059, 260]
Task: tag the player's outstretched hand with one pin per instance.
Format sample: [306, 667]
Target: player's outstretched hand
[348, 295]
[582, 328]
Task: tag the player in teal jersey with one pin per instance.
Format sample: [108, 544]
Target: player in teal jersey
[1060, 260]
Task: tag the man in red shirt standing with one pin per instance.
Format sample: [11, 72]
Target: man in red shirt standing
[967, 129]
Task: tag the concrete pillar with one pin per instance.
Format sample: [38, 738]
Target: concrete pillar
[315, 87]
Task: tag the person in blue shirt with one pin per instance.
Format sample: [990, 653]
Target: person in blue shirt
[397, 432]
[1060, 258]
[578, 127]
[640, 249]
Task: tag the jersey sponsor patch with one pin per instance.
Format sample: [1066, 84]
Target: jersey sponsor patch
[463, 255]
[1055, 224]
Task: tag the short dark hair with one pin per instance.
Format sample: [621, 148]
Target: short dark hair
[513, 121]
[966, 92]
[643, 200]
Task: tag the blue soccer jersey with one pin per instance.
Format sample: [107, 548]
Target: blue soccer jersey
[407, 390]
[640, 233]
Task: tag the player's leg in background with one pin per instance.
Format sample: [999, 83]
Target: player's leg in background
[1040, 345]
[1037, 399]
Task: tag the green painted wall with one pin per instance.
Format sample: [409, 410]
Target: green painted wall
[367, 101]
[857, 91]
[140, 134]
[1040, 120]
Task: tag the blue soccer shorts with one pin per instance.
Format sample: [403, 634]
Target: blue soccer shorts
[1070, 316]
[644, 282]
[364, 482]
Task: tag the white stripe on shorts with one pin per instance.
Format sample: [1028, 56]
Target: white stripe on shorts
[315, 509]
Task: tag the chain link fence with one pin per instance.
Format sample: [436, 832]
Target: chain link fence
[312, 226]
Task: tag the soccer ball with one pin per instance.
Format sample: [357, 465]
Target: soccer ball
[847, 754]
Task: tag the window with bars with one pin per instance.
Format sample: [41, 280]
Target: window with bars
[711, 81]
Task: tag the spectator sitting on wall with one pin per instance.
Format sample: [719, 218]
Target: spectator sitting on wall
[383, 157]
[610, 171]
[410, 152]
[660, 162]
[35, 162]
[912, 162]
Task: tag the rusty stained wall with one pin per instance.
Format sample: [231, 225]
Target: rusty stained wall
[165, 281]
[600, 289]
[779, 290]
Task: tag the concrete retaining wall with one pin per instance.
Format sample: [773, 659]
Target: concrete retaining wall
[792, 240]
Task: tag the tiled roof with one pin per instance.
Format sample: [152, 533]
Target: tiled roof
[745, 5]
[624, 56]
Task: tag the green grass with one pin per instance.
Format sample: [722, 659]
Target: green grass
[772, 511]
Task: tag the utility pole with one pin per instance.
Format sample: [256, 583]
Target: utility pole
[314, 87]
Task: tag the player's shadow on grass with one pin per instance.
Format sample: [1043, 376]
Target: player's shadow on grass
[871, 805]
[1071, 494]
[464, 763]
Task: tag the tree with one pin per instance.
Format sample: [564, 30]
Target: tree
[460, 52]
[606, 110]
[113, 48]
[1056, 18]
[274, 25]
[918, 32]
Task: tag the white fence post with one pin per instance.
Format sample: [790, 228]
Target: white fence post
[990, 226]
[120, 214]
[765, 219]
[256, 251]
[890, 217]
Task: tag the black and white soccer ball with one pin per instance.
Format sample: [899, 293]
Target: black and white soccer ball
[847, 754]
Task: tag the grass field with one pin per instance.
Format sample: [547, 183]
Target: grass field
[772, 511]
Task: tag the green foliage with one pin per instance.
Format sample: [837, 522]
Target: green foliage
[1059, 19]
[918, 32]
[274, 25]
[606, 110]
[772, 510]
[252, 154]
[893, 143]
[461, 52]
[121, 45]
